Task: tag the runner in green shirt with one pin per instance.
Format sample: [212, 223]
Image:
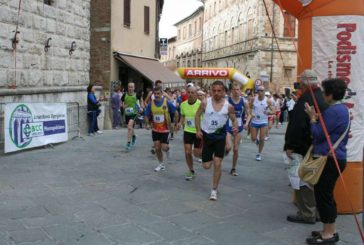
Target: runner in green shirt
[188, 112]
[131, 105]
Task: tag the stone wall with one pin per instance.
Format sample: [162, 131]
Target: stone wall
[30, 74]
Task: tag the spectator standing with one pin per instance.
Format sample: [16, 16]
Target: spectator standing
[337, 121]
[93, 111]
[115, 105]
[298, 140]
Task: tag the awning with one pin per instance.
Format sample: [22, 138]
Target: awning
[151, 69]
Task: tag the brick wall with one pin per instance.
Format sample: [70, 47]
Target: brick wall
[100, 42]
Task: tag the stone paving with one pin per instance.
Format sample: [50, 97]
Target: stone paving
[92, 192]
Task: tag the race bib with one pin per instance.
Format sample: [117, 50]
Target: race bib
[239, 122]
[129, 110]
[158, 118]
[190, 122]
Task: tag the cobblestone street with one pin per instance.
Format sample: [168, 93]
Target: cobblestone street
[93, 192]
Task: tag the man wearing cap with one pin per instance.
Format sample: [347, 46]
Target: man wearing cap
[298, 139]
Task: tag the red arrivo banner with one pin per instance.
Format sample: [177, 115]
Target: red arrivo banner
[206, 73]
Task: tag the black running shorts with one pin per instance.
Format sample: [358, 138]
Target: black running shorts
[128, 118]
[161, 137]
[191, 139]
[212, 147]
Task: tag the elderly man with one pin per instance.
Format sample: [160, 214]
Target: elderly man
[298, 139]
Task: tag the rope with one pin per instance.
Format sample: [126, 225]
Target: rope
[276, 40]
[323, 127]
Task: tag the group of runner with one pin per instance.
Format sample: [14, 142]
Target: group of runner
[212, 124]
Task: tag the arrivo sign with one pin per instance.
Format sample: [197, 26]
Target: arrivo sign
[206, 73]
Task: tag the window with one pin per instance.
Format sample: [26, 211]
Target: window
[179, 35]
[233, 35]
[127, 13]
[289, 25]
[146, 20]
[195, 31]
[189, 30]
[250, 29]
[48, 2]
[226, 41]
[288, 72]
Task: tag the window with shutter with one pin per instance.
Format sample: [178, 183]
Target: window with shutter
[127, 13]
[146, 20]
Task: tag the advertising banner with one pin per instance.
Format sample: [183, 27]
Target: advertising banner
[29, 125]
[338, 51]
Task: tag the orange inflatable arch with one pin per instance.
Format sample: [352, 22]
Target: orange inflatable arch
[330, 33]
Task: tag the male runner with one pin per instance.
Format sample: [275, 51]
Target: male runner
[158, 113]
[259, 123]
[131, 105]
[241, 108]
[188, 112]
[150, 96]
[213, 130]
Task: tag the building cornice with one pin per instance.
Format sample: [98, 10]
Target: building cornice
[197, 11]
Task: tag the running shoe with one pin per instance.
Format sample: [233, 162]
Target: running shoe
[258, 157]
[91, 134]
[160, 167]
[199, 160]
[127, 147]
[99, 132]
[133, 140]
[152, 151]
[233, 172]
[257, 142]
[213, 195]
[266, 138]
[189, 175]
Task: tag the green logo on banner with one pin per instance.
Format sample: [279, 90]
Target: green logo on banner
[19, 128]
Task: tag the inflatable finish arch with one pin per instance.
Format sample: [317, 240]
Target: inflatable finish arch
[331, 42]
[216, 73]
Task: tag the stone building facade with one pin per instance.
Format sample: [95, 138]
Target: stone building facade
[32, 72]
[237, 34]
[188, 48]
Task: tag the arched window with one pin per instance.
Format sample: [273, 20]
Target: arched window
[232, 35]
[250, 24]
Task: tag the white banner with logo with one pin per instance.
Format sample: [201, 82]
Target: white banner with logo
[29, 125]
[338, 51]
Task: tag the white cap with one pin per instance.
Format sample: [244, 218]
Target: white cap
[308, 76]
[189, 85]
[267, 93]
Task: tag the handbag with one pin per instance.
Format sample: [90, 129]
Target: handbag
[311, 168]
